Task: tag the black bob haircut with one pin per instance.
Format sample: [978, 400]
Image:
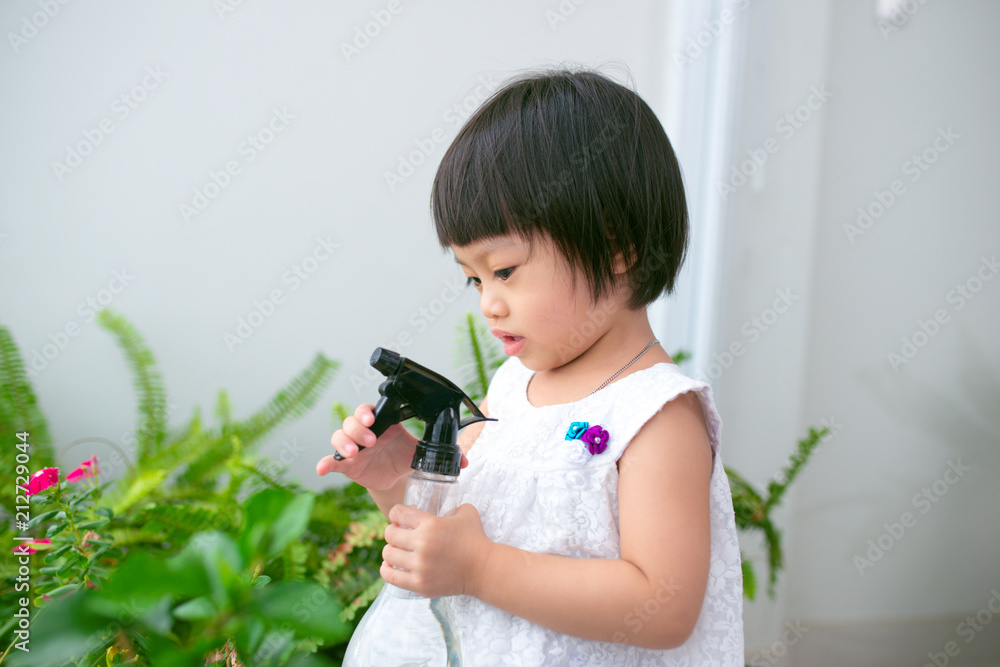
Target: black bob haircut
[576, 156]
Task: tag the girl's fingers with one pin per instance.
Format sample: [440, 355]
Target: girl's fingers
[325, 465]
[343, 443]
[365, 413]
[399, 558]
[357, 432]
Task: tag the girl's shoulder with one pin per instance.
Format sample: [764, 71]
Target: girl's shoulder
[638, 397]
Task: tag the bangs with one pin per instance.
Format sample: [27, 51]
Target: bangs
[486, 185]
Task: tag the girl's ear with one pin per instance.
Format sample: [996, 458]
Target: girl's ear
[621, 264]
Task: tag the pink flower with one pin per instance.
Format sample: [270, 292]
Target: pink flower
[596, 439]
[25, 547]
[42, 480]
[86, 470]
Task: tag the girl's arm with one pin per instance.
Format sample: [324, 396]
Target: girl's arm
[650, 597]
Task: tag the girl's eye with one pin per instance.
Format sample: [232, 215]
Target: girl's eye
[470, 281]
[503, 274]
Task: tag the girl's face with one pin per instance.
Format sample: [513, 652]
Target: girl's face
[531, 302]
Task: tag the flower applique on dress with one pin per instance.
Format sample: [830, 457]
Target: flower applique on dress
[585, 441]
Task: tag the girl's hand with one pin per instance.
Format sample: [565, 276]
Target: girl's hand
[382, 462]
[435, 556]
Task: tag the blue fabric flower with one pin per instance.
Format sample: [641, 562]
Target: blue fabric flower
[576, 430]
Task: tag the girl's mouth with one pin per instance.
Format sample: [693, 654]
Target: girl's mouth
[511, 344]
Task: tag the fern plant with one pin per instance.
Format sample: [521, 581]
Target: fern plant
[19, 413]
[195, 456]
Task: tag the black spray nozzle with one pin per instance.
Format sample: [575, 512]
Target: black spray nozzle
[410, 390]
[438, 451]
[386, 361]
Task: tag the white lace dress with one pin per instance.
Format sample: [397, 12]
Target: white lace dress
[537, 491]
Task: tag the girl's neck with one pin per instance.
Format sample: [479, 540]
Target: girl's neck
[609, 353]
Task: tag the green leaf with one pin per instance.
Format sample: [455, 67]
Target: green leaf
[56, 528]
[57, 593]
[749, 579]
[75, 502]
[65, 628]
[55, 515]
[274, 518]
[91, 525]
[54, 556]
[198, 609]
[218, 557]
[144, 578]
[291, 523]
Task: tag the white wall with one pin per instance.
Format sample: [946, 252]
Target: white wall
[827, 357]
[190, 281]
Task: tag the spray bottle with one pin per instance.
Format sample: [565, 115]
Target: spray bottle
[403, 628]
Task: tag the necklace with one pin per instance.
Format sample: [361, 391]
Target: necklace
[635, 359]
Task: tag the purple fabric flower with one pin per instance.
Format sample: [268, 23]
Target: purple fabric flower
[596, 439]
[576, 430]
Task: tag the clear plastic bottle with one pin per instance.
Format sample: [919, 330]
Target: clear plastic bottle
[401, 628]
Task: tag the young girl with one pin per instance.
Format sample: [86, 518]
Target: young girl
[597, 526]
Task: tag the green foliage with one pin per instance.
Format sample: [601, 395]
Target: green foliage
[753, 510]
[19, 413]
[203, 545]
[209, 595]
[147, 381]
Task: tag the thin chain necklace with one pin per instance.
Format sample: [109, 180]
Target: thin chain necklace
[605, 383]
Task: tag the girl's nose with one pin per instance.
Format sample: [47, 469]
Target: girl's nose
[491, 304]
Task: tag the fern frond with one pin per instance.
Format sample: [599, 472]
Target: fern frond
[212, 458]
[19, 410]
[183, 452]
[293, 401]
[138, 487]
[339, 412]
[293, 560]
[255, 468]
[806, 447]
[775, 556]
[680, 356]
[747, 503]
[223, 408]
[749, 578]
[362, 600]
[479, 357]
[176, 523]
[147, 380]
